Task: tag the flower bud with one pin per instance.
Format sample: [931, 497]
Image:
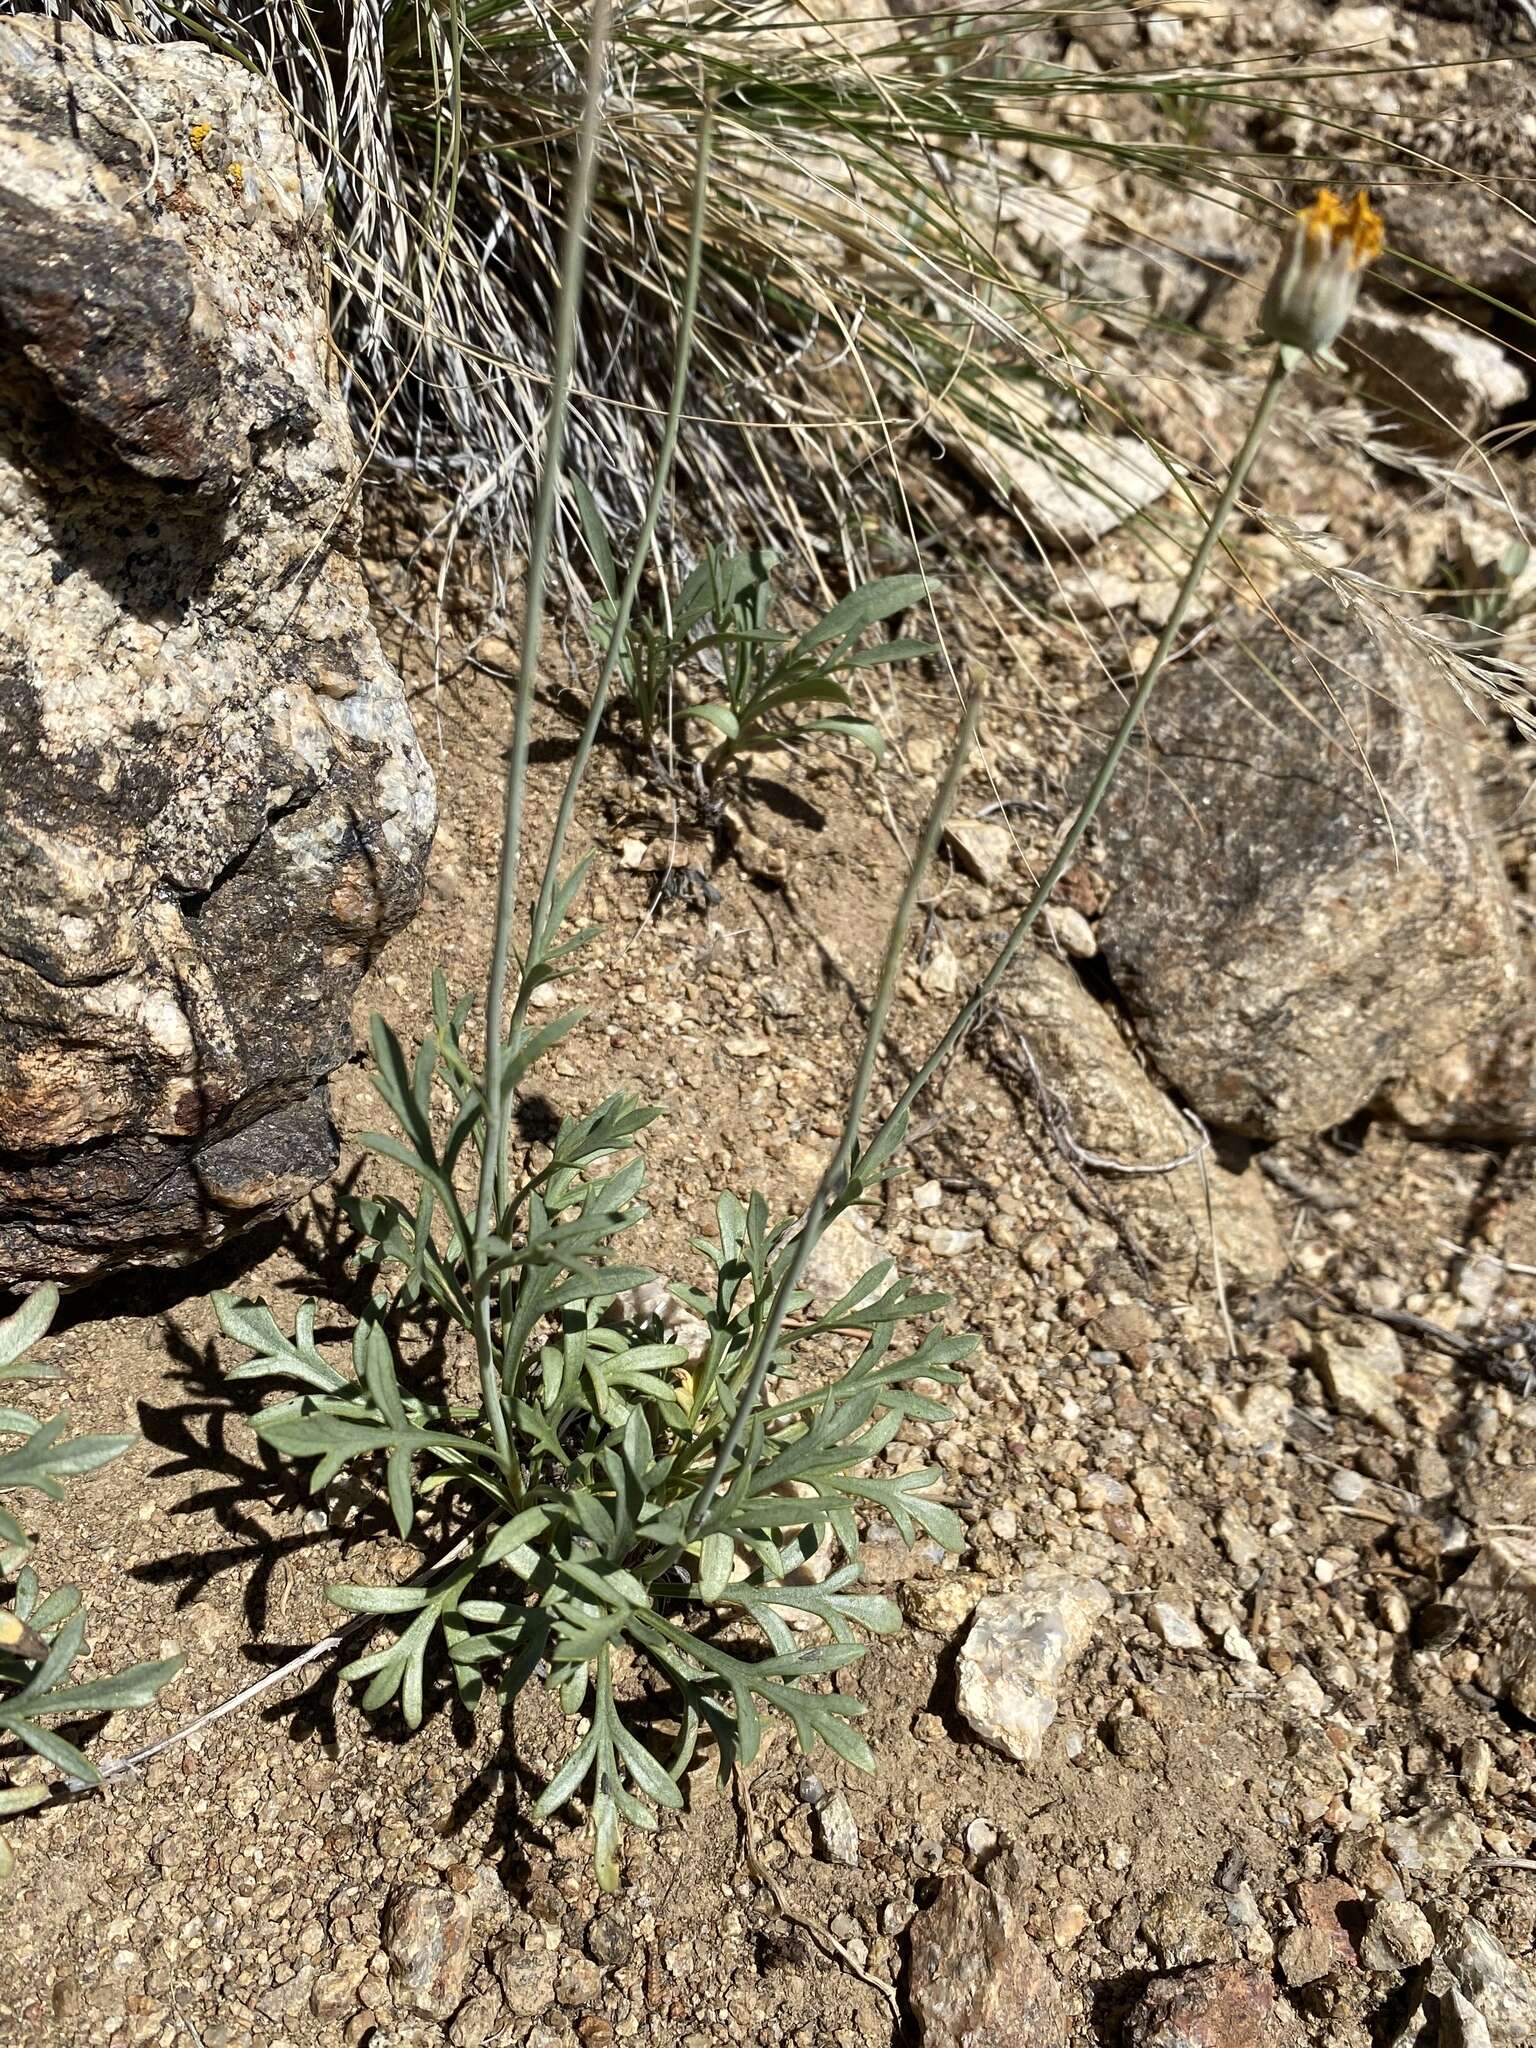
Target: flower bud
[1315, 282]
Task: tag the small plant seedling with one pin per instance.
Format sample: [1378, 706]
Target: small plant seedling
[716, 660]
[42, 1636]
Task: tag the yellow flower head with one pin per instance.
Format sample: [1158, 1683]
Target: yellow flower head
[1317, 278]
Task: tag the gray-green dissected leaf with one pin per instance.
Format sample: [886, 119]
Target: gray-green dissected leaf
[28, 1326]
[47, 1456]
[253, 1324]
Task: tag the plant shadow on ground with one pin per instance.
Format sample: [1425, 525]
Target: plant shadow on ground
[230, 1484]
[784, 802]
[205, 1433]
[202, 1435]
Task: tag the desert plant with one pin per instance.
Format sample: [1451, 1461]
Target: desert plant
[650, 1468]
[772, 683]
[594, 1533]
[42, 1636]
[617, 1497]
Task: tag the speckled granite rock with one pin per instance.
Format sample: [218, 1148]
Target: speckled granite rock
[213, 810]
[976, 1979]
[1308, 910]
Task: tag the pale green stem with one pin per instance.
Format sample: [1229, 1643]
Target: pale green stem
[835, 1178]
[573, 263]
[539, 937]
[1199, 563]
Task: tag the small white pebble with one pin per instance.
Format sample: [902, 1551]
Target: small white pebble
[980, 1836]
[1178, 1630]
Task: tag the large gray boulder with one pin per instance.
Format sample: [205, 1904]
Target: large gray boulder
[213, 810]
[1308, 909]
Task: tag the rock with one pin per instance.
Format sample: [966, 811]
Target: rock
[1094, 483]
[1137, 1743]
[1360, 1362]
[1439, 1840]
[285, 2001]
[652, 1302]
[1397, 1937]
[1017, 1652]
[1218, 2005]
[1499, 1586]
[1475, 1764]
[475, 2021]
[528, 1977]
[1260, 1417]
[1519, 1688]
[1306, 903]
[1183, 1927]
[1354, 28]
[945, 1241]
[940, 972]
[1124, 1326]
[886, 1560]
[844, 1253]
[981, 847]
[1070, 930]
[1446, 380]
[1300, 1690]
[1502, 1989]
[1177, 1627]
[1116, 1112]
[1329, 1906]
[1483, 1089]
[980, 1837]
[1081, 485]
[334, 1994]
[823, 29]
[1362, 1861]
[609, 1941]
[579, 1983]
[976, 1979]
[213, 810]
[1306, 1955]
[1456, 240]
[1461, 2024]
[836, 1832]
[426, 1937]
[942, 1606]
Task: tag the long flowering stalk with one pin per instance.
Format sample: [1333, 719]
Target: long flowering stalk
[1304, 309]
[492, 1159]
